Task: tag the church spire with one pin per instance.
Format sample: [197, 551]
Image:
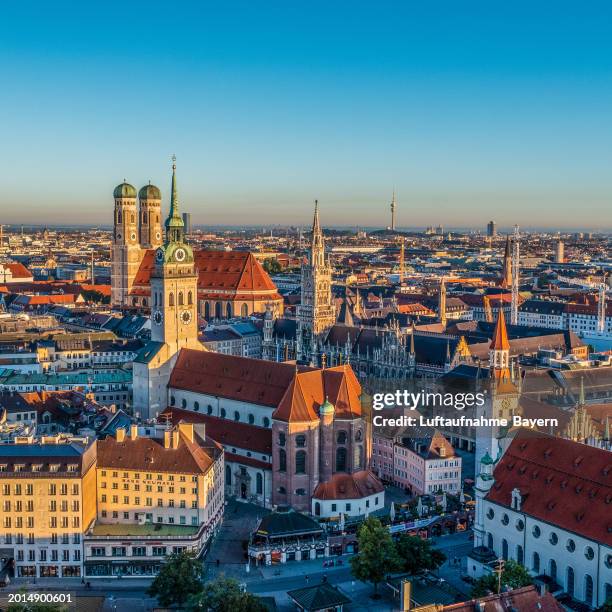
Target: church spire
[506, 279]
[317, 252]
[175, 227]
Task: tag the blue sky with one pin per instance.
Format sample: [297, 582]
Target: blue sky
[472, 110]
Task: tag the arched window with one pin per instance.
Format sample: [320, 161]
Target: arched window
[206, 310]
[190, 298]
[183, 403]
[519, 554]
[358, 456]
[490, 541]
[180, 298]
[228, 476]
[244, 311]
[505, 549]
[223, 413]
[196, 406]
[209, 409]
[251, 419]
[588, 590]
[341, 459]
[228, 310]
[536, 563]
[132, 218]
[282, 460]
[218, 308]
[236, 415]
[300, 462]
[341, 438]
[317, 509]
[134, 301]
[281, 438]
[171, 299]
[119, 217]
[172, 400]
[266, 422]
[259, 484]
[359, 435]
[144, 216]
[553, 569]
[300, 441]
[569, 582]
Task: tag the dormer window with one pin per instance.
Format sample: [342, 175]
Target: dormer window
[54, 467]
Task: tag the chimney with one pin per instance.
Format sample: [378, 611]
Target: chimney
[133, 431]
[175, 438]
[120, 434]
[167, 439]
[187, 430]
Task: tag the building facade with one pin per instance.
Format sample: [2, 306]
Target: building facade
[48, 502]
[155, 497]
[229, 283]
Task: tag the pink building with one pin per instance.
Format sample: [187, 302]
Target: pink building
[419, 465]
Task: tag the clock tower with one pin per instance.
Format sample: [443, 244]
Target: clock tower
[174, 285]
[174, 314]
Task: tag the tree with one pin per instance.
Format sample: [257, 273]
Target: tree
[377, 556]
[514, 576]
[271, 266]
[607, 607]
[94, 296]
[225, 595]
[417, 555]
[178, 579]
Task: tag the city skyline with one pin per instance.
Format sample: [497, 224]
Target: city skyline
[469, 116]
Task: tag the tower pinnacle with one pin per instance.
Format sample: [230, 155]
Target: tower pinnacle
[175, 227]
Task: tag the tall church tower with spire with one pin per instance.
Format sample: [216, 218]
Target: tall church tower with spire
[506, 278]
[174, 318]
[316, 312]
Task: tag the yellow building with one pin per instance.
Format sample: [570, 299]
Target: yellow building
[48, 501]
[155, 496]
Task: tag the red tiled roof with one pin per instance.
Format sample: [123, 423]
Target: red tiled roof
[234, 271]
[348, 486]
[239, 378]
[564, 483]
[149, 454]
[18, 270]
[226, 432]
[526, 598]
[308, 391]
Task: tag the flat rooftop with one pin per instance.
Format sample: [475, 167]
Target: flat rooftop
[154, 530]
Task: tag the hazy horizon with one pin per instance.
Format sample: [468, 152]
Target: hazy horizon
[470, 113]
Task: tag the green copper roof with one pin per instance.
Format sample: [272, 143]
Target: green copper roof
[326, 407]
[174, 220]
[486, 459]
[149, 192]
[125, 190]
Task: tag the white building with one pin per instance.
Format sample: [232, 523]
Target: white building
[356, 494]
[547, 504]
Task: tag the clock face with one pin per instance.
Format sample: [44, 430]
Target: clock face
[158, 317]
[179, 254]
[159, 255]
[185, 317]
[157, 236]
